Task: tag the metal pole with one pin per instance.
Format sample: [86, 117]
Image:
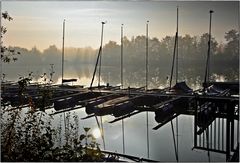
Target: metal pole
[63, 50]
[147, 86]
[123, 136]
[100, 59]
[207, 70]
[122, 56]
[1, 26]
[147, 55]
[177, 50]
[177, 75]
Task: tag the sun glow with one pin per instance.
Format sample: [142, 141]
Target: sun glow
[96, 133]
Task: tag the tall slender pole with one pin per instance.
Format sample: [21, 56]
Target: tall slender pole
[1, 26]
[177, 49]
[123, 136]
[100, 59]
[175, 55]
[147, 55]
[147, 87]
[63, 50]
[207, 70]
[122, 56]
[177, 74]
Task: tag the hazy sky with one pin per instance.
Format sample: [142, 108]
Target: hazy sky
[40, 23]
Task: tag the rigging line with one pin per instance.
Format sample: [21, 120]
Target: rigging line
[207, 70]
[176, 154]
[95, 68]
[173, 61]
[99, 67]
[100, 60]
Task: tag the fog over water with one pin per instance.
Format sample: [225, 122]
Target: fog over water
[161, 142]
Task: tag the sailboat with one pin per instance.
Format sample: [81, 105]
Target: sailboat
[64, 80]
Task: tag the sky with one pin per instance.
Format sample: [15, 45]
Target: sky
[39, 23]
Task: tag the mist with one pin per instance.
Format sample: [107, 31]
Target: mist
[224, 60]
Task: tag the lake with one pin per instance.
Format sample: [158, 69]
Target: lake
[161, 145]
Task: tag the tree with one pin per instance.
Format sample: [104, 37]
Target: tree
[232, 46]
[187, 46]
[7, 54]
[203, 46]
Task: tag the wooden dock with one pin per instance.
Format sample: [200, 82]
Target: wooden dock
[219, 100]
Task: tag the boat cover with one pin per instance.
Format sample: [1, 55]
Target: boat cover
[181, 87]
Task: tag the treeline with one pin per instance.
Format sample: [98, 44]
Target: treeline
[53, 55]
[191, 49]
[192, 52]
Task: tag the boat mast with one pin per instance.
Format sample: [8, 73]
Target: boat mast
[177, 49]
[147, 55]
[147, 121]
[207, 70]
[122, 56]
[174, 55]
[63, 50]
[123, 135]
[177, 81]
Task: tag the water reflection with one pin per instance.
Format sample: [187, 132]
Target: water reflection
[161, 143]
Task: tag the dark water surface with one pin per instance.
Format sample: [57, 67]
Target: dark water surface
[161, 140]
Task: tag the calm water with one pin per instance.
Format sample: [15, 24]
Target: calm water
[161, 140]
